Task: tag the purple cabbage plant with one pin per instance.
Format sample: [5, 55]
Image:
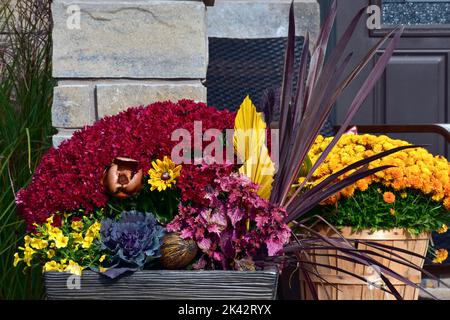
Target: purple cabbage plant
[132, 241]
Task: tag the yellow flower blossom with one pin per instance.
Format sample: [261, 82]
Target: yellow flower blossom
[87, 242]
[102, 258]
[17, 259]
[51, 253]
[414, 168]
[442, 229]
[38, 243]
[28, 255]
[74, 268]
[51, 266]
[61, 241]
[441, 256]
[163, 174]
[94, 230]
[77, 225]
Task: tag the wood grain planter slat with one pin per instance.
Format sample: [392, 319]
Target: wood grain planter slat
[342, 286]
[151, 285]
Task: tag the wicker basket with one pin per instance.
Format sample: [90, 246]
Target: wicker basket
[165, 284]
[342, 286]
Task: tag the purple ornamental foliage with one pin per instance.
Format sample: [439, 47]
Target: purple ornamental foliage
[133, 241]
[236, 224]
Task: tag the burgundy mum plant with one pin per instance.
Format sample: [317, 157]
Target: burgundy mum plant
[68, 178]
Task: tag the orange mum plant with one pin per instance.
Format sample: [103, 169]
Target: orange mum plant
[413, 194]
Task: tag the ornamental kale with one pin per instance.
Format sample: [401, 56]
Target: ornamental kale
[132, 241]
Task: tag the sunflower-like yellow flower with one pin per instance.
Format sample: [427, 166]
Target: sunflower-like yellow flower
[441, 256]
[163, 174]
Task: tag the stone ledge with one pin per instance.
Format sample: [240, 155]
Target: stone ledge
[61, 136]
[115, 97]
[249, 19]
[73, 106]
[123, 39]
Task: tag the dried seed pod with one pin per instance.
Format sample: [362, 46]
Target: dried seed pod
[177, 253]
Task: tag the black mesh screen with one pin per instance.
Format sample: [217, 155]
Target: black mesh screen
[240, 67]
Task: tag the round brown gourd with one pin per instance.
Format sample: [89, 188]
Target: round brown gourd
[177, 253]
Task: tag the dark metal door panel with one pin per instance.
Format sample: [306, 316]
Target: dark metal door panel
[415, 88]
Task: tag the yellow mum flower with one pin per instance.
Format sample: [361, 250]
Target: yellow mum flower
[441, 256]
[163, 174]
[447, 203]
[442, 229]
[102, 258]
[389, 197]
[392, 211]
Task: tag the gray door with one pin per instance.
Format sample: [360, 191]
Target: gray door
[415, 88]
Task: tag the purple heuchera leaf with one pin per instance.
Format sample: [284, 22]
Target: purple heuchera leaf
[232, 223]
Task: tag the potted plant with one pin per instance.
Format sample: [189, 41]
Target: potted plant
[398, 207]
[154, 189]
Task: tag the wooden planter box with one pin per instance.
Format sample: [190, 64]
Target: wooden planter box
[165, 284]
[342, 286]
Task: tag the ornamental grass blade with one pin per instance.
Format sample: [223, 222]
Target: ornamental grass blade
[288, 75]
[318, 57]
[361, 96]
[312, 118]
[309, 203]
[300, 98]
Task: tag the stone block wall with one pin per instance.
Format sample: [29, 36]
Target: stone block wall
[128, 53]
[122, 54]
